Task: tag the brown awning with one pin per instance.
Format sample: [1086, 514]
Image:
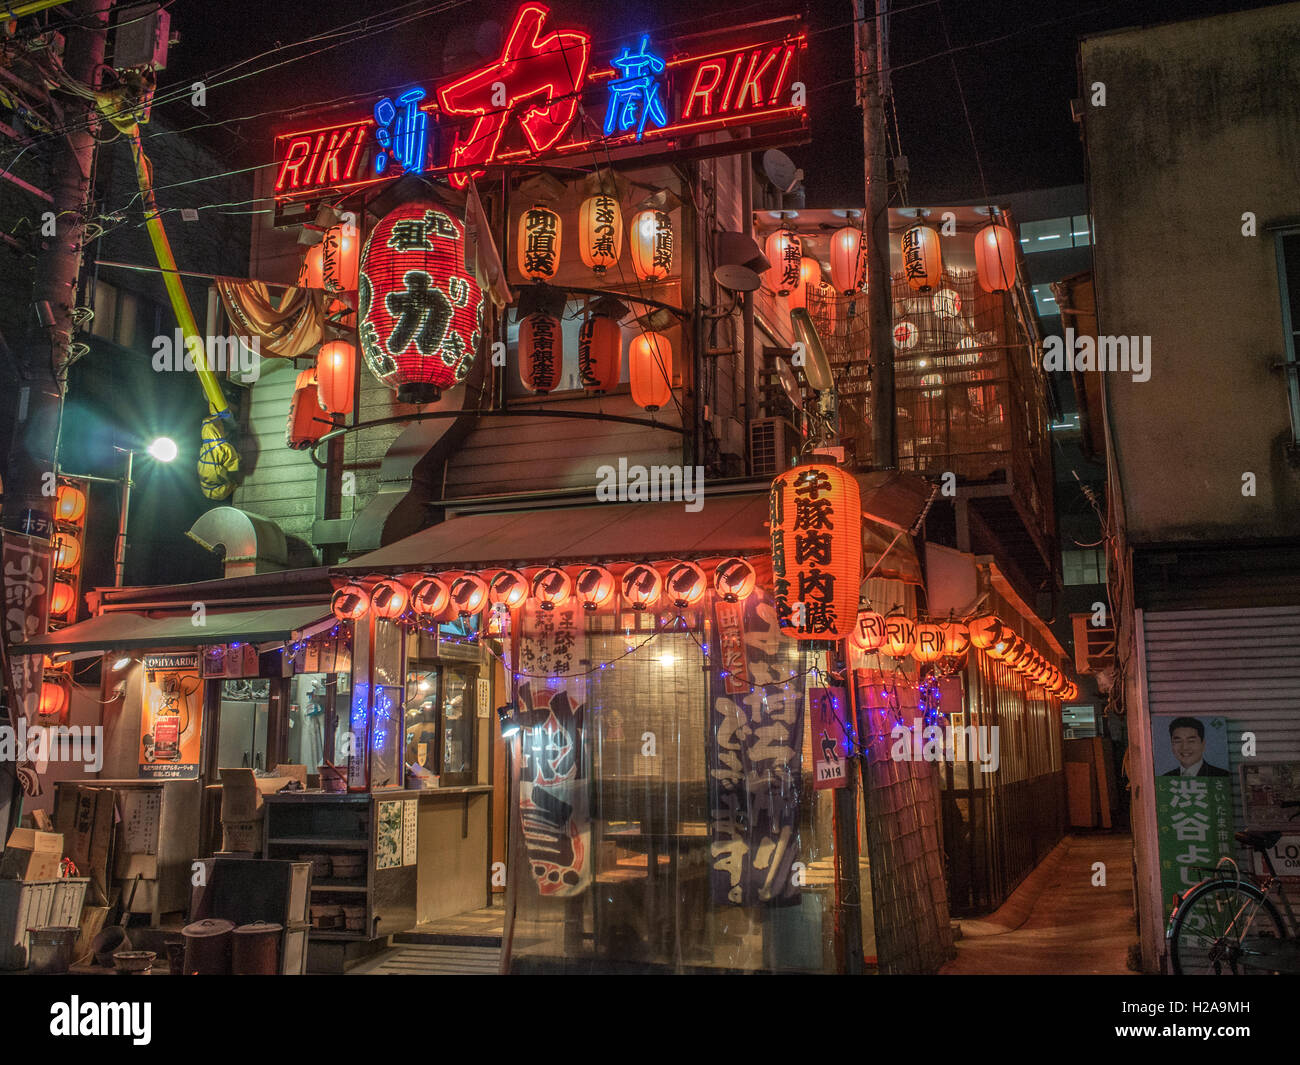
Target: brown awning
[126, 629]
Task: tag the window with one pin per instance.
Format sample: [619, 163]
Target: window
[1044, 301]
[1086, 566]
[1288, 283]
[1052, 234]
[441, 720]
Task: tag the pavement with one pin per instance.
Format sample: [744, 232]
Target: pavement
[1058, 921]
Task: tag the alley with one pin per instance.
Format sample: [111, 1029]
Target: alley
[1057, 921]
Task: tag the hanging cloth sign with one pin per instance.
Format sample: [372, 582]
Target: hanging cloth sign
[287, 330]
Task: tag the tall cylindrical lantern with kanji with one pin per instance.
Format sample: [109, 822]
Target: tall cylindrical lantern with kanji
[922, 261]
[784, 250]
[652, 245]
[541, 352]
[600, 353]
[848, 260]
[600, 231]
[539, 243]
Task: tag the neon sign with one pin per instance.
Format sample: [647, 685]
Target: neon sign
[545, 98]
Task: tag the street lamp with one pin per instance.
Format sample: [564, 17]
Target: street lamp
[163, 449]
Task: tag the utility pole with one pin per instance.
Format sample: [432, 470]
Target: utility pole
[869, 60]
[45, 357]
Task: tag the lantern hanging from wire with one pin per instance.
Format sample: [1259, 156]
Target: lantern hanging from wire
[848, 260]
[350, 602]
[336, 363]
[63, 597]
[650, 369]
[594, 587]
[468, 594]
[652, 245]
[509, 588]
[552, 587]
[69, 503]
[419, 307]
[956, 638]
[600, 230]
[922, 261]
[1001, 646]
[685, 584]
[431, 599]
[540, 233]
[734, 579]
[600, 353]
[984, 630]
[810, 277]
[784, 250]
[869, 632]
[541, 352]
[816, 528]
[53, 699]
[67, 550]
[900, 636]
[308, 421]
[929, 643]
[388, 599]
[641, 586]
[995, 258]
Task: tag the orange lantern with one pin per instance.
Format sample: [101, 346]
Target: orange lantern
[956, 638]
[650, 367]
[810, 276]
[336, 364]
[332, 264]
[1017, 653]
[869, 632]
[350, 602]
[652, 245]
[784, 250]
[539, 243]
[431, 599]
[600, 353]
[541, 352]
[67, 550]
[308, 421]
[600, 230]
[685, 584]
[995, 258]
[642, 586]
[509, 588]
[468, 594]
[1000, 648]
[922, 261]
[900, 636]
[734, 579]
[388, 599]
[848, 260]
[594, 586]
[54, 699]
[929, 643]
[63, 597]
[69, 503]
[984, 631]
[552, 587]
[816, 523]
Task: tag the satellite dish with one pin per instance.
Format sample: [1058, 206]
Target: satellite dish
[789, 383]
[816, 367]
[737, 278]
[781, 171]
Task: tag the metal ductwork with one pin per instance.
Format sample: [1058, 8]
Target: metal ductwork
[248, 543]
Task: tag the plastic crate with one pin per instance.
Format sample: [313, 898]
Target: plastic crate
[23, 905]
[69, 897]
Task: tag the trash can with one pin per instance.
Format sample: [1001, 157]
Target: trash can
[49, 950]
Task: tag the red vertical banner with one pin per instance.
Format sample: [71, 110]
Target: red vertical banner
[831, 728]
[26, 576]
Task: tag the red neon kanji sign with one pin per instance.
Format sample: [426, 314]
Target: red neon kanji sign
[549, 70]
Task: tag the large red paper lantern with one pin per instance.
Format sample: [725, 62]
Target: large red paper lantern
[419, 307]
[922, 261]
[388, 599]
[929, 643]
[784, 250]
[652, 245]
[600, 232]
[541, 352]
[848, 260]
[600, 353]
[642, 585]
[734, 579]
[995, 258]
[900, 636]
[985, 630]
[332, 264]
[810, 277]
[956, 638]
[336, 376]
[508, 588]
[540, 231]
[307, 421]
[869, 631]
[552, 587]
[69, 503]
[63, 597]
[685, 584]
[594, 587]
[67, 550]
[431, 600]
[350, 602]
[469, 594]
[816, 525]
[650, 369]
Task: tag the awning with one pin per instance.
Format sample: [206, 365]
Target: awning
[126, 629]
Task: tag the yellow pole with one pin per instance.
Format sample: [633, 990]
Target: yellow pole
[10, 11]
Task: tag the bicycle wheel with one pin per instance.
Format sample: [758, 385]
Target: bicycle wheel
[1213, 930]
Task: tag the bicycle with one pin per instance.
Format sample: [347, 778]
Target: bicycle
[1230, 926]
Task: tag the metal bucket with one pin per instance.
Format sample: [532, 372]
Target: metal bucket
[256, 949]
[49, 950]
[207, 947]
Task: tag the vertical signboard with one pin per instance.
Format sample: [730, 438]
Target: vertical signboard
[26, 562]
[171, 716]
[830, 725]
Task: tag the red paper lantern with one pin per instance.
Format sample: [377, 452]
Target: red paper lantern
[63, 597]
[810, 277]
[552, 587]
[652, 245]
[600, 353]
[956, 639]
[336, 376]
[900, 636]
[509, 588]
[984, 631]
[1017, 653]
[922, 261]
[642, 586]
[419, 307]
[816, 526]
[307, 421]
[650, 368]
[469, 594]
[541, 352]
[784, 250]
[600, 232]
[869, 632]
[594, 586]
[53, 700]
[350, 602]
[540, 233]
[734, 579]
[685, 584]
[848, 260]
[995, 258]
[1001, 647]
[332, 264]
[929, 643]
[67, 550]
[69, 503]
[431, 600]
[388, 599]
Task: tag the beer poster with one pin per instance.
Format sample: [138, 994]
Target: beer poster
[171, 716]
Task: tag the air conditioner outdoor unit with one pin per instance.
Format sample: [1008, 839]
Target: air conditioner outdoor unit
[773, 446]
